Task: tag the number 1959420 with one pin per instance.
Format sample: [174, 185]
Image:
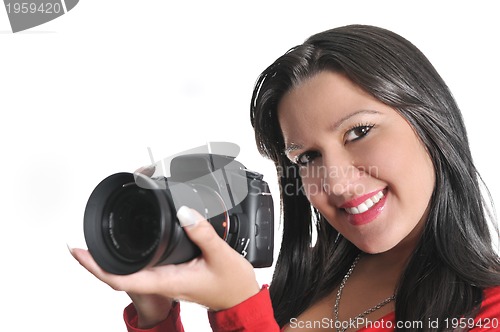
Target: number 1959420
[32, 8]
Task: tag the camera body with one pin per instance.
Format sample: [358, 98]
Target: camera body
[130, 219]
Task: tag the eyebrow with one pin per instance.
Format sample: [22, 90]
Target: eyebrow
[337, 124]
[295, 146]
[292, 147]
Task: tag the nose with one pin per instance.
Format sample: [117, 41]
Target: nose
[340, 175]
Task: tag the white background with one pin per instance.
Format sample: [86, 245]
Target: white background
[83, 97]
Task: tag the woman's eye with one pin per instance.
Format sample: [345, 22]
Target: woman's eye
[357, 132]
[306, 158]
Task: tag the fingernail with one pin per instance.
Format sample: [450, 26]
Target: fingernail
[187, 217]
[147, 170]
[70, 249]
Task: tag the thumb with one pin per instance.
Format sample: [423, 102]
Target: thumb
[146, 170]
[199, 230]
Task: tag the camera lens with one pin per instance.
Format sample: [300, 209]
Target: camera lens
[132, 223]
[128, 226]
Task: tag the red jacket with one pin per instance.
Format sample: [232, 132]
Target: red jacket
[256, 314]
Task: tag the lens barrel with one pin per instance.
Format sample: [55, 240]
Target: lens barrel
[130, 221]
[129, 227]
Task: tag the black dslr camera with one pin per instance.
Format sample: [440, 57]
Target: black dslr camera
[130, 219]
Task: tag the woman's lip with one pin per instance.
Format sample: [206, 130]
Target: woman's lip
[369, 215]
[358, 200]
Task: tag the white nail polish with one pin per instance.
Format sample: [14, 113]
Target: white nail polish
[70, 249]
[187, 216]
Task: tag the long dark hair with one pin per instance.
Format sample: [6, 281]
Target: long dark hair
[454, 260]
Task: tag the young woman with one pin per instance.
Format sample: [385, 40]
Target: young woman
[371, 152]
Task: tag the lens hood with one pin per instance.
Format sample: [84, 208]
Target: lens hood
[100, 222]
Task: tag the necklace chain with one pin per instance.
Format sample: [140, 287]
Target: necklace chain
[339, 326]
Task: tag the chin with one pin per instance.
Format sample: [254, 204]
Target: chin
[375, 248]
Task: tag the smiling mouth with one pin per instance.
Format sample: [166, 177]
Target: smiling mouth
[366, 205]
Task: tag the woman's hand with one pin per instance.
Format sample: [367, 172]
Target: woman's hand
[219, 278]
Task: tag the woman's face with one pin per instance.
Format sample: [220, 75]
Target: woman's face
[362, 166]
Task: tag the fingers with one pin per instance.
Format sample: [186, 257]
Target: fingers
[85, 259]
[117, 282]
[207, 279]
[216, 287]
[201, 232]
[145, 281]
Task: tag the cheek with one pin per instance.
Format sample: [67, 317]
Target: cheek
[408, 171]
[313, 181]
[395, 156]
[409, 167]
[312, 186]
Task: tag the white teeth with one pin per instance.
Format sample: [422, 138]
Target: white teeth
[362, 208]
[369, 203]
[353, 210]
[366, 205]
